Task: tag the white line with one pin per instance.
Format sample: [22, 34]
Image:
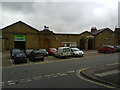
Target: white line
[11, 82]
[107, 73]
[70, 72]
[26, 80]
[37, 78]
[78, 74]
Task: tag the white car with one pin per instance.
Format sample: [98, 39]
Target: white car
[63, 52]
[77, 52]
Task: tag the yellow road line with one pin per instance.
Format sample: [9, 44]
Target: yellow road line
[95, 82]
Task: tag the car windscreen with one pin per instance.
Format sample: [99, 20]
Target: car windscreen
[21, 55]
[75, 49]
[53, 49]
[28, 51]
[42, 50]
[16, 50]
[66, 50]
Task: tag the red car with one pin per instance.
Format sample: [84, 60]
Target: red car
[106, 49]
[51, 51]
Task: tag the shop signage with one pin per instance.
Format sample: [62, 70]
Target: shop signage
[19, 38]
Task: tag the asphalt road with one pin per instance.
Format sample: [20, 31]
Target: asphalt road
[61, 74]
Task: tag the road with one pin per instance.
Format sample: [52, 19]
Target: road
[60, 74]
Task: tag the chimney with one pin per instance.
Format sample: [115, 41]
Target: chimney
[93, 29]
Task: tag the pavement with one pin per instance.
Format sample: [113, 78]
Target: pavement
[105, 75]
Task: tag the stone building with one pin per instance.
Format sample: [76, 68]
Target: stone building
[23, 36]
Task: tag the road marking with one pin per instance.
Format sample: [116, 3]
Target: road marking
[95, 82]
[59, 74]
[26, 80]
[12, 82]
[50, 75]
[37, 78]
[70, 72]
[107, 73]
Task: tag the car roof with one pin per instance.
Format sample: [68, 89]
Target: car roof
[63, 47]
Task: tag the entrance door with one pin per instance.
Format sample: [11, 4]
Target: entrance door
[90, 44]
[19, 41]
[19, 44]
[82, 44]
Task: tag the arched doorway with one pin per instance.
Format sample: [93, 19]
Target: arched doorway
[90, 44]
[46, 43]
[82, 44]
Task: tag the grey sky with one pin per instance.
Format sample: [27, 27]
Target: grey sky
[62, 17]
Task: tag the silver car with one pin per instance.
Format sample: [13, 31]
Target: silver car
[77, 52]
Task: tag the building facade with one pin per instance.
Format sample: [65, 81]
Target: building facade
[20, 35]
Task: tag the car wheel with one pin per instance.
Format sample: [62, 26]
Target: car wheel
[108, 52]
[42, 59]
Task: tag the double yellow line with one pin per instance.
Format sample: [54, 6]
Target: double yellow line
[95, 82]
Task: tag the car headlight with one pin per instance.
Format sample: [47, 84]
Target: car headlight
[12, 54]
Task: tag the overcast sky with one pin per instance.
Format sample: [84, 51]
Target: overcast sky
[66, 16]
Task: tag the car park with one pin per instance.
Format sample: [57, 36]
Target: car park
[63, 52]
[27, 52]
[43, 52]
[13, 52]
[20, 58]
[117, 48]
[52, 51]
[75, 52]
[36, 55]
[106, 49]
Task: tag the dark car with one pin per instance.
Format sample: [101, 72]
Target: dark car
[27, 52]
[43, 52]
[106, 49]
[36, 55]
[13, 52]
[20, 58]
[52, 51]
[117, 48]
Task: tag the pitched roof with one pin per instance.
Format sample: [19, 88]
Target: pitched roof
[20, 22]
[85, 32]
[99, 31]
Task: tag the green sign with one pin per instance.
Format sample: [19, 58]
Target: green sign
[19, 37]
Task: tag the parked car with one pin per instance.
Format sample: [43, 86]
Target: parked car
[52, 51]
[77, 52]
[117, 48]
[13, 52]
[20, 58]
[43, 52]
[27, 52]
[106, 49]
[36, 55]
[63, 52]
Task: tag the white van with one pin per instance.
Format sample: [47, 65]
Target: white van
[63, 52]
